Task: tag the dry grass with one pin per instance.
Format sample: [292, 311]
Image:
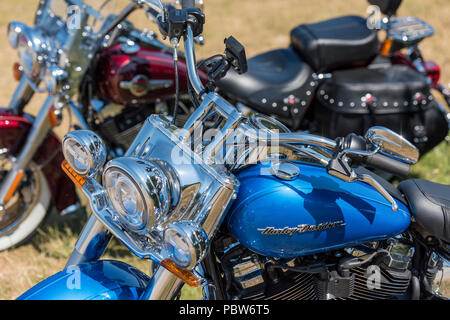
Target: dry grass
[260, 25]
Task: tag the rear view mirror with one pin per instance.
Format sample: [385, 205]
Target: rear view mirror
[392, 144]
[235, 52]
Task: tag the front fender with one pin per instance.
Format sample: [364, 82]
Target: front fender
[14, 130]
[98, 280]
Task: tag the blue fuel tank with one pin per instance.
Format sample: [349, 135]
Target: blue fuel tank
[314, 212]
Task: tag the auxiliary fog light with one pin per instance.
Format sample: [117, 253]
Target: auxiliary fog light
[84, 151]
[185, 243]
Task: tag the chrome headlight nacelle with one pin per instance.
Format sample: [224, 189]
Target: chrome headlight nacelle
[84, 151]
[33, 47]
[161, 200]
[142, 194]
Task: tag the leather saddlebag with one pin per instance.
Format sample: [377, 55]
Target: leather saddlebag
[396, 97]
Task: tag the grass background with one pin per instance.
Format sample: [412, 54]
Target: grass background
[260, 25]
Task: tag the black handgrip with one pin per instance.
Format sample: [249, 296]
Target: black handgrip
[187, 4]
[388, 164]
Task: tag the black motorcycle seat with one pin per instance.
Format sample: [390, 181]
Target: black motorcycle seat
[270, 76]
[336, 43]
[430, 204]
[275, 70]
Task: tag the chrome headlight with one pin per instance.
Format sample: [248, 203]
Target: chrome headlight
[140, 191]
[31, 45]
[84, 151]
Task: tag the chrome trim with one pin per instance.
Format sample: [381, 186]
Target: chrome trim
[194, 237]
[370, 181]
[392, 144]
[248, 273]
[262, 121]
[284, 170]
[400, 254]
[443, 267]
[408, 30]
[301, 228]
[140, 85]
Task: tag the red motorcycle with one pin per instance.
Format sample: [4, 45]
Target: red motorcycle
[111, 78]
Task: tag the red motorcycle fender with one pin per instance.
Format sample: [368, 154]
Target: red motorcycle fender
[13, 134]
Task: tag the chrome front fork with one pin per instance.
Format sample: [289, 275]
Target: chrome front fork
[91, 245]
[164, 285]
[38, 132]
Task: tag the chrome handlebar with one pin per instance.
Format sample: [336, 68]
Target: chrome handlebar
[191, 62]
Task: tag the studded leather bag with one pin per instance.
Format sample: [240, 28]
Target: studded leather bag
[396, 97]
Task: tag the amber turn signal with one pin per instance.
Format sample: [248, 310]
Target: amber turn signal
[75, 177]
[188, 277]
[17, 71]
[54, 117]
[386, 47]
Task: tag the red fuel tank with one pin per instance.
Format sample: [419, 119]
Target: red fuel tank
[139, 77]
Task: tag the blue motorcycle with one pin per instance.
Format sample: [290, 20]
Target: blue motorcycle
[246, 209]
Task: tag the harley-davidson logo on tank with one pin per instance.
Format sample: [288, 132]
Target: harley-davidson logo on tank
[301, 228]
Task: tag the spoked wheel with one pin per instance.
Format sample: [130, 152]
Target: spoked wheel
[26, 209]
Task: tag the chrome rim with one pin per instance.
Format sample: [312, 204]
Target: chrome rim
[18, 208]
